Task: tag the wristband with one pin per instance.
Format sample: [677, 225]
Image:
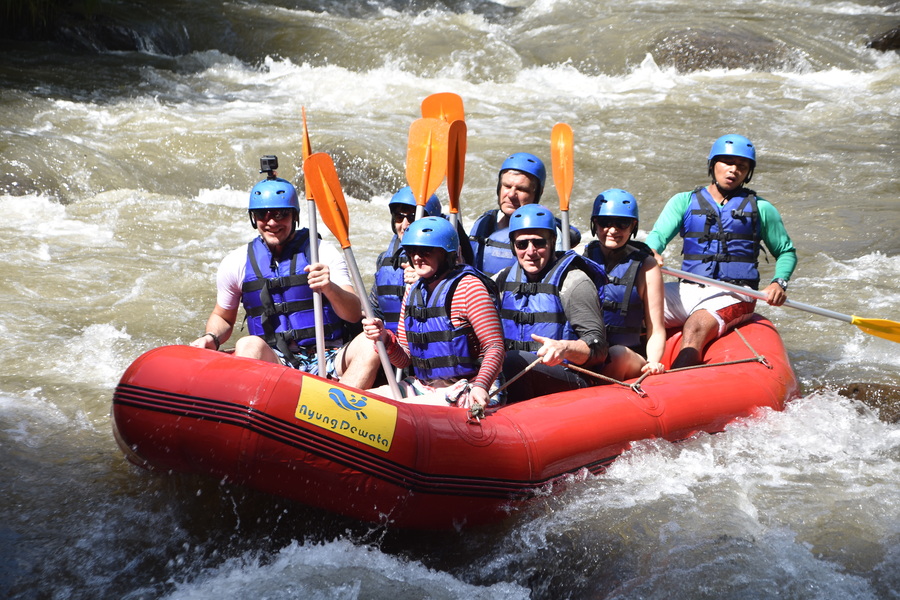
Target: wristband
[215, 338]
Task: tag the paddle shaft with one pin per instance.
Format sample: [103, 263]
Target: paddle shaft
[318, 310]
[367, 309]
[824, 312]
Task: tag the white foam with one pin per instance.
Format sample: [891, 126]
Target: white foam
[337, 569]
[98, 356]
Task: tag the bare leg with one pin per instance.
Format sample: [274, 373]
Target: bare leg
[253, 346]
[699, 330]
[358, 363]
[624, 363]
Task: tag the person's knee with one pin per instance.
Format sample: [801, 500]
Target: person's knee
[624, 363]
[253, 346]
[700, 328]
[248, 346]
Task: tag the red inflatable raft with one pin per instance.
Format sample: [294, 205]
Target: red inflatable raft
[370, 458]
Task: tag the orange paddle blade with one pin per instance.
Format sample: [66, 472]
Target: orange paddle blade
[326, 189]
[456, 162]
[307, 150]
[562, 155]
[883, 328]
[445, 106]
[426, 157]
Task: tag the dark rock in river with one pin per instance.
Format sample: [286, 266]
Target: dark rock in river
[104, 34]
[883, 398]
[363, 172]
[887, 41]
[699, 49]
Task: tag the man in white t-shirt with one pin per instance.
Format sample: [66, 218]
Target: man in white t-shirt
[274, 279]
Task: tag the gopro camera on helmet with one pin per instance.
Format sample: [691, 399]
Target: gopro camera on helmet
[268, 164]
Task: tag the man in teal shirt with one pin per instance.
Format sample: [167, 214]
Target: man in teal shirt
[723, 226]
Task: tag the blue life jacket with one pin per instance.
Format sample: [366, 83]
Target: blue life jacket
[535, 307]
[277, 298]
[438, 349]
[389, 285]
[623, 307]
[722, 242]
[491, 249]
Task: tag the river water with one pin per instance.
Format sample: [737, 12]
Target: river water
[124, 179]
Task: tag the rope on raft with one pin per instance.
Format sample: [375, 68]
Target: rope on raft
[636, 386]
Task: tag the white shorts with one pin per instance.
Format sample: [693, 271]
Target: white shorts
[728, 308]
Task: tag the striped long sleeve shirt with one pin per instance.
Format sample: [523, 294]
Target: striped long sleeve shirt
[471, 305]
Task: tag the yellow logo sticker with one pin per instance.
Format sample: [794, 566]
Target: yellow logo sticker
[347, 413]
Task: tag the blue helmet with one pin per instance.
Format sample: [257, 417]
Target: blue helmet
[431, 232]
[614, 202]
[528, 164]
[405, 197]
[532, 216]
[274, 193]
[732, 145]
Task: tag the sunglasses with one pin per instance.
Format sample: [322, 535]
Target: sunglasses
[400, 216]
[420, 250]
[618, 223]
[538, 243]
[264, 214]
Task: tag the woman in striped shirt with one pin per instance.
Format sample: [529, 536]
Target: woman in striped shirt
[449, 330]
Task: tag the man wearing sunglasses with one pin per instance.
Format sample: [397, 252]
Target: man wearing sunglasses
[724, 225]
[273, 278]
[549, 309]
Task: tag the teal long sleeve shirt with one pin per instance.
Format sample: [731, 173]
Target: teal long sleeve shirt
[774, 235]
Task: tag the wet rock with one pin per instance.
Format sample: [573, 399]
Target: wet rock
[104, 34]
[364, 173]
[889, 40]
[883, 398]
[700, 49]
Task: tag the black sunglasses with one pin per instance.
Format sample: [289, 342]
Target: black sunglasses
[399, 216]
[264, 214]
[617, 222]
[420, 250]
[538, 243]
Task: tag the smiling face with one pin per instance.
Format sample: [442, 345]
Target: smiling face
[402, 217]
[613, 232]
[534, 250]
[425, 260]
[275, 225]
[516, 189]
